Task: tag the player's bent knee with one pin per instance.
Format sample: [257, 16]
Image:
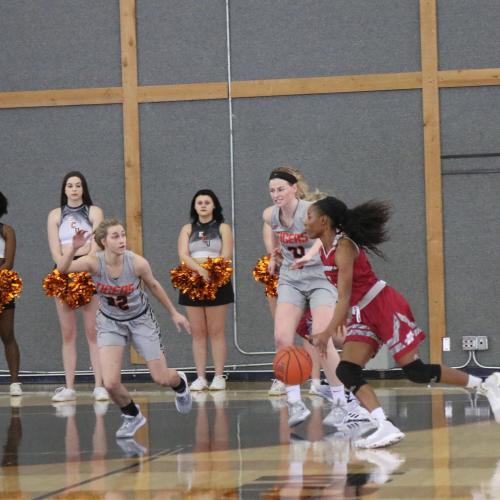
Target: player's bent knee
[422, 373]
[351, 375]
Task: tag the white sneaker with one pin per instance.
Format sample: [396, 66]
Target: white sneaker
[322, 390]
[64, 394]
[343, 414]
[355, 430]
[131, 447]
[15, 389]
[297, 413]
[200, 384]
[100, 394]
[218, 383]
[278, 388]
[183, 400]
[387, 433]
[491, 389]
[130, 424]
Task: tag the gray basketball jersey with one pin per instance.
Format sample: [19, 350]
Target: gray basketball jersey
[294, 240]
[121, 299]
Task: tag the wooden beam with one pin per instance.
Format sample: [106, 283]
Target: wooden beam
[62, 97]
[183, 92]
[469, 77]
[326, 85]
[245, 89]
[131, 141]
[433, 187]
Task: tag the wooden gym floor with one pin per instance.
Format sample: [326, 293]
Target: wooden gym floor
[237, 445]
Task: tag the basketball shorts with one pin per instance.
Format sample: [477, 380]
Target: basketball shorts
[143, 333]
[387, 319]
[309, 284]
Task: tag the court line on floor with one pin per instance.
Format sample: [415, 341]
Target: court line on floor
[110, 473]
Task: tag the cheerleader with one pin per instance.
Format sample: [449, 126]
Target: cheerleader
[125, 313]
[77, 212]
[7, 254]
[375, 313]
[297, 287]
[207, 236]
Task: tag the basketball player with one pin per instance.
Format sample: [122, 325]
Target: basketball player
[76, 211]
[375, 313]
[297, 287]
[125, 313]
[278, 388]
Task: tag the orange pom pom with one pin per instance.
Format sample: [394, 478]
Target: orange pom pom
[11, 287]
[261, 274]
[75, 289]
[220, 271]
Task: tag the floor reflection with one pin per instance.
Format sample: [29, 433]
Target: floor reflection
[237, 444]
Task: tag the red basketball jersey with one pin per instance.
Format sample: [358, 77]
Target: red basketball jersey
[363, 277]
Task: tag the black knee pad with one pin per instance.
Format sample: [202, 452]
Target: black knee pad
[351, 375]
[422, 373]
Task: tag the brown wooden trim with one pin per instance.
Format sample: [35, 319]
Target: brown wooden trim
[62, 97]
[469, 77]
[433, 188]
[131, 125]
[131, 141]
[326, 85]
[246, 89]
[183, 92]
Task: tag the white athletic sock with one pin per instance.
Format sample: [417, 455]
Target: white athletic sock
[293, 393]
[473, 382]
[338, 394]
[378, 414]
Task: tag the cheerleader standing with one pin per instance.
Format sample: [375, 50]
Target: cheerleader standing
[7, 254]
[207, 236]
[76, 212]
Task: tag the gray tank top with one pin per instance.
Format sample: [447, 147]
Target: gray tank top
[73, 219]
[294, 240]
[121, 299]
[205, 240]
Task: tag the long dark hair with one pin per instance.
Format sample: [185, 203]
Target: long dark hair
[364, 224]
[217, 214]
[3, 204]
[87, 200]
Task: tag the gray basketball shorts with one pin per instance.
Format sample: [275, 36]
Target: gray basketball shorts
[143, 332]
[309, 284]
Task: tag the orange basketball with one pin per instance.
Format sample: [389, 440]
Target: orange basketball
[292, 365]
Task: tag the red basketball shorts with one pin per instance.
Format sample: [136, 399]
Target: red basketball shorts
[387, 319]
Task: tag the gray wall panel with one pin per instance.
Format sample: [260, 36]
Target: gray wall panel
[468, 33]
[59, 44]
[357, 146]
[181, 41]
[185, 147]
[285, 38]
[38, 147]
[470, 121]
[472, 260]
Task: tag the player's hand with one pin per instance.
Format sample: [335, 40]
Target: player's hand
[181, 322]
[204, 274]
[320, 341]
[300, 263]
[339, 336]
[80, 239]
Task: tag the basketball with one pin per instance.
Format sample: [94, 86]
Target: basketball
[292, 365]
